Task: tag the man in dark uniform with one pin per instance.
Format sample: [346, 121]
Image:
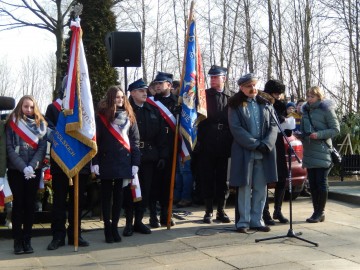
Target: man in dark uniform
[153, 150]
[61, 188]
[213, 146]
[160, 190]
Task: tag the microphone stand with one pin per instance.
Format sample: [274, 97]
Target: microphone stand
[291, 152]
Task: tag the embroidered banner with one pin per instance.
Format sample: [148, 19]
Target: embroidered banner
[74, 142]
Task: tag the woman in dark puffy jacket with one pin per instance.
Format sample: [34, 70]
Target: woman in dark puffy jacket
[118, 157]
[318, 125]
[26, 148]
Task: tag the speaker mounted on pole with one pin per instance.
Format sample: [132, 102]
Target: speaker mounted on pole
[124, 49]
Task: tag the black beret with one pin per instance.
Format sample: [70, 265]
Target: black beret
[247, 77]
[217, 71]
[139, 84]
[274, 86]
[163, 77]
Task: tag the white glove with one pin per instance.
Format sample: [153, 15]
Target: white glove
[95, 169]
[2, 182]
[29, 172]
[134, 170]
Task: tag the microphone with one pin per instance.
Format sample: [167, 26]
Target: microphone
[267, 102]
[7, 103]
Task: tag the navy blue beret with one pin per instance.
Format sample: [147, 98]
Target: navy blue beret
[290, 104]
[139, 84]
[217, 71]
[163, 77]
[247, 77]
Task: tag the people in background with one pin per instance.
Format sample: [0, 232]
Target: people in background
[276, 89]
[167, 103]
[213, 147]
[63, 192]
[154, 152]
[118, 157]
[319, 124]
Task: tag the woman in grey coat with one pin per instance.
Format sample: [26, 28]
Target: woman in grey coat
[26, 148]
[318, 125]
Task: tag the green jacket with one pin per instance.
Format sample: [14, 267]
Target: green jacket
[326, 125]
[2, 149]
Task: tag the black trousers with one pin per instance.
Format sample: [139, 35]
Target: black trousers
[160, 188]
[111, 189]
[146, 175]
[213, 177]
[24, 197]
[61, 206]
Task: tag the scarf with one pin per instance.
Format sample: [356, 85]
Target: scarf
[121, 118]
[38, 131]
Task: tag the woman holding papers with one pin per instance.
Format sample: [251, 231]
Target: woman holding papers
[26, 147]
[118, 157]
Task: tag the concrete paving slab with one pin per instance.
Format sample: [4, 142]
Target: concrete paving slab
[194, 245]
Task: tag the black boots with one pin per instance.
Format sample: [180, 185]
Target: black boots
[139, 226]
[278, 199]
[27, 246]
[319, 199]
[23, 246]
[220, 214]
[108, 233]
[164, 216]
[129, 229]
[209, 211]
[18, 246]
[266, 214]
[154, 221]
[115, 233]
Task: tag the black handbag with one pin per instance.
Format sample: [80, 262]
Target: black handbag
[335, 155]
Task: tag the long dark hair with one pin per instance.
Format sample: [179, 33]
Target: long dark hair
[107, 106]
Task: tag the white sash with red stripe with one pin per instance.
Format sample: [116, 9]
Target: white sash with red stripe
[24, 132]
[58, 104]
[170, 119]
[120, 135]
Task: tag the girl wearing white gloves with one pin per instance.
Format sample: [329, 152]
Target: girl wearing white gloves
[26, 147]
[118, 156]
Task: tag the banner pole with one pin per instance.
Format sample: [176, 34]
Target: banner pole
[176, 138]
[76, 212]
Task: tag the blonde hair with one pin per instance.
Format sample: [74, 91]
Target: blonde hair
[18, 113]
[317, 91]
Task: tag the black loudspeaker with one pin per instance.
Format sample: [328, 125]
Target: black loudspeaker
[124, 49]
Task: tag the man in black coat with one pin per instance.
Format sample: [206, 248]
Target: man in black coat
[62, 190]
[213, 146]
[160, 189]
[153, 150]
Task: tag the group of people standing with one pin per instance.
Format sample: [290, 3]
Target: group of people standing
[135, 138]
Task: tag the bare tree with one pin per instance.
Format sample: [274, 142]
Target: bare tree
[6, 83]
[50, 17]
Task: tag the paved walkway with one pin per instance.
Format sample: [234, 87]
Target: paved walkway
[194, 245]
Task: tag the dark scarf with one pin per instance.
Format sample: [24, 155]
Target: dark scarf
[121, 118]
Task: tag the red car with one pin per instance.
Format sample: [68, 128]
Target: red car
[298, 173]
